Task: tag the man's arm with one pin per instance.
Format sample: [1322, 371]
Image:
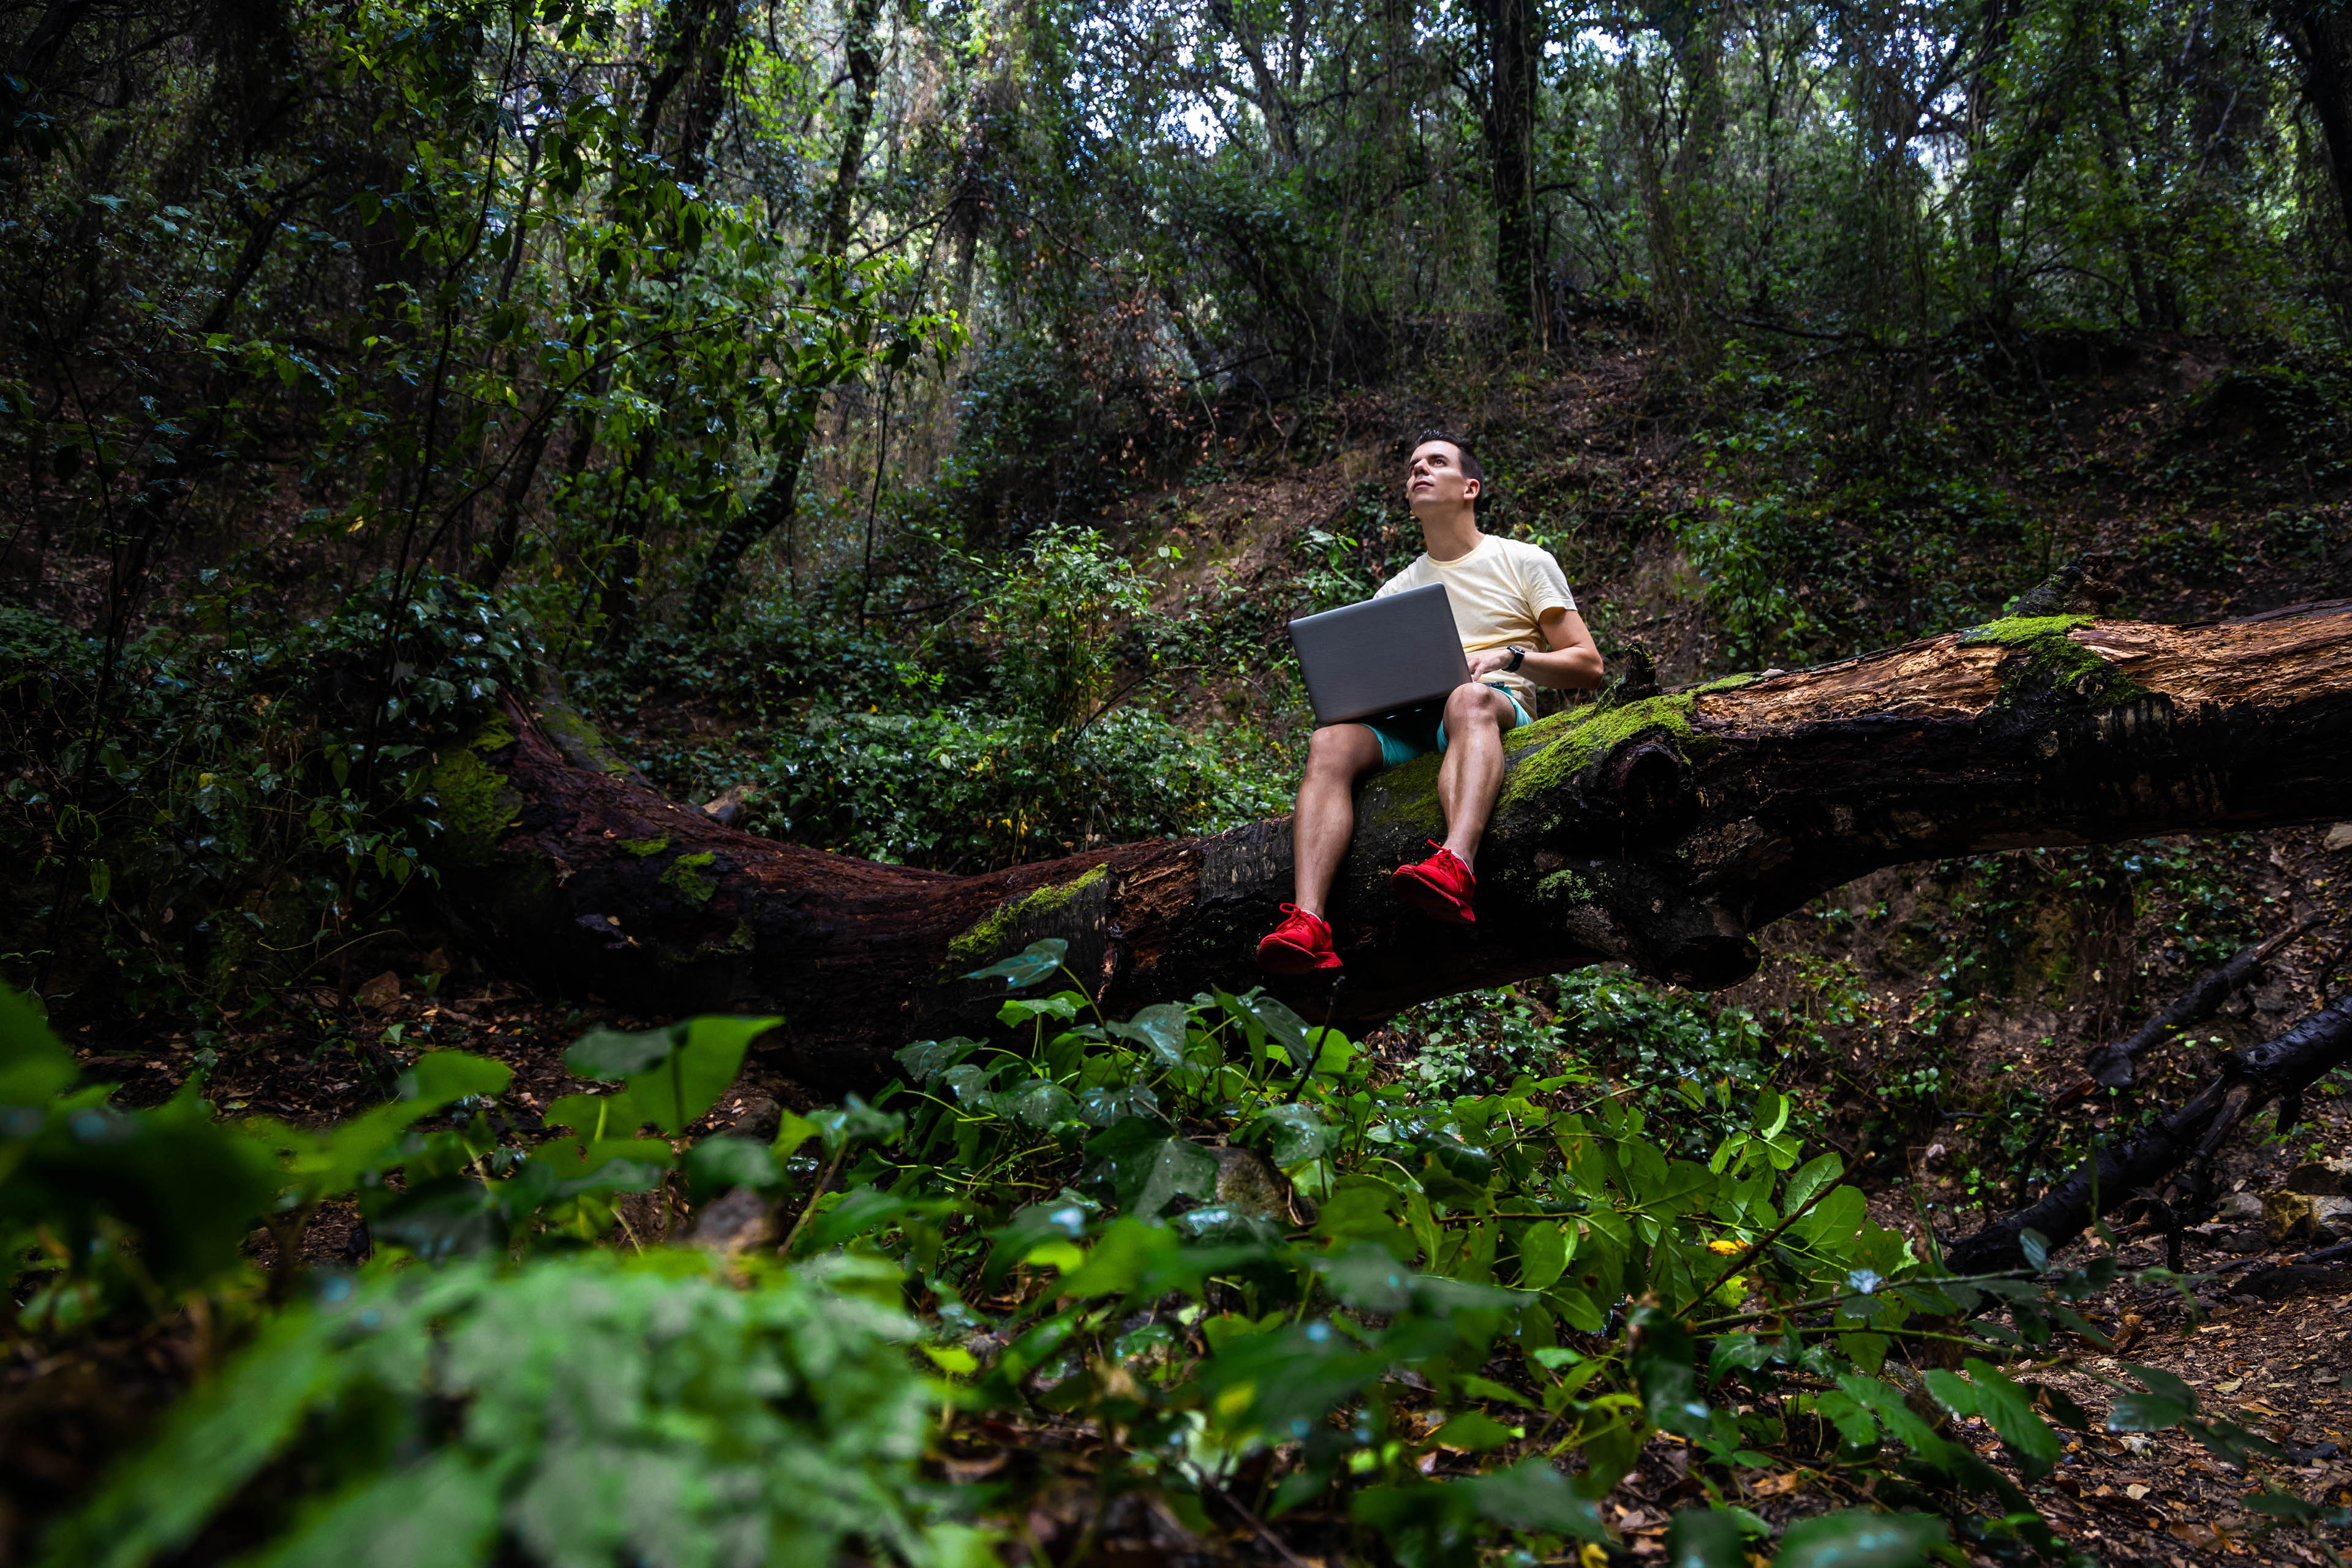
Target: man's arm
[1572, 663]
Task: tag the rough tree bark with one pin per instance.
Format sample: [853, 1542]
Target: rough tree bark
[1660, 833]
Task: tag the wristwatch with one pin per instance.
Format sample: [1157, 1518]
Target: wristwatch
[1518, 656]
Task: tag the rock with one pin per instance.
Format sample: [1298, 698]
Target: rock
[380, 993]
[758, 1119]
[2321, 1179]
[731, 805]
[2338, 836]
[1248, 1184]
[2292, 1215]
[2240, 1208]
[737, 1221]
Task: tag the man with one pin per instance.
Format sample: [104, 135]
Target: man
[1520, 630]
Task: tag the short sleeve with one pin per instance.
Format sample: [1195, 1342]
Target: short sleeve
[1544, 582]
[1402, 581]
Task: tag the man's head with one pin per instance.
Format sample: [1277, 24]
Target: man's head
[1442, 476]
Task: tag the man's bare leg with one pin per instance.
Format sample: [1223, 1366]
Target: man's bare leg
[1471, 775]
[1336, 756]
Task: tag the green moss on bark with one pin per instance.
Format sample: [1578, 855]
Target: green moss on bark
[474, 798]
[2052, 653]
[1586, 737]
[690, 877]
[979, 942]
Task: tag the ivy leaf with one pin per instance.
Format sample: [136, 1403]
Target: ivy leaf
[1292, 1134]
[609, 1054]
[1144, 1170]
[1706, 1538]
[1158, 1029]
[1106, 1104]
[925, 1060]
[1858, 1537]
[1040, 1103]
[1531, 1495]
[1026, 968]
[716, 1164]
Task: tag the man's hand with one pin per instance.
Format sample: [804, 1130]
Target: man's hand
[1490, 662]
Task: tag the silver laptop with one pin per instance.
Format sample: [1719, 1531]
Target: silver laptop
[1381, 657]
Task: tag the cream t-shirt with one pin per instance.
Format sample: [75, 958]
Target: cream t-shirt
[1499, 592]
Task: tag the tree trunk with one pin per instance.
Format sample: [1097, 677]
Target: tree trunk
[778, 500]
[2281, 1068]
[1660, 833]
[2320, 33]
[1514, 40]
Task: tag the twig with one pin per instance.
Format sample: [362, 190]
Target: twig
[1767, 1239]
[823, 1180]
[1264, 1531]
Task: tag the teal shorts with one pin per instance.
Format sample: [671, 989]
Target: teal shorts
[1421, 731]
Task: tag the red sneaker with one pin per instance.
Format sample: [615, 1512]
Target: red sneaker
[1440, 887]
[1299, 946]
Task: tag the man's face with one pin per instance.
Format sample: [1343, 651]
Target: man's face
[1435, 479]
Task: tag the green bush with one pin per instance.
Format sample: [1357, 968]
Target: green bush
[574, 1410]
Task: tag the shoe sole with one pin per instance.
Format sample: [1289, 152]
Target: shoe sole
[1284, 959]
[1431, 899]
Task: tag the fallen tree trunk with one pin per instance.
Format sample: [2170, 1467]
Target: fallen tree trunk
[2279, 1068]
[2110, 1066]
[1660, 832]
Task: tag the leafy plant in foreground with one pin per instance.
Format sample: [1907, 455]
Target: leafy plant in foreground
[1252, 1277]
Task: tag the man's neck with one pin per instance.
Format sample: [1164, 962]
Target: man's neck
[1450, 535]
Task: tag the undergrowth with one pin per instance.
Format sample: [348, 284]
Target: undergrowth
[1242, 1274]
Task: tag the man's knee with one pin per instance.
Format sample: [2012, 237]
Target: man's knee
[1473, 702]
[1341, 749]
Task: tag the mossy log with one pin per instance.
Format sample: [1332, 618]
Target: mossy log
[1661, 832]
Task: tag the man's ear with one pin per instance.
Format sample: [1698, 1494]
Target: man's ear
[1473, 488]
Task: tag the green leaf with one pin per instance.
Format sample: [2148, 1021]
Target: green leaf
[1292, 1134]
[34, 1064]
[609, 1054]
[1033, 963]
[1285, 1026]
[1706, 1538]
[2036, 1248]
[440, 1513]
[925, 1060]
[2010, 1409]
[2168, 1403]
[1858, 1537]
[792, 1130]
[1040, 1103]
[1158, 1029]
[440, 1077]
[1846, 1414]
[212, 1442]
[1808, 1179]
[717, 1163]
[1146, 1169]
[1664, 1363]
[1116, 1263]
[1531, 1495]
[1473, 1431]
[1543, 1255]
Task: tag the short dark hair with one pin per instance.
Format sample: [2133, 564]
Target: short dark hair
[1470, 465]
